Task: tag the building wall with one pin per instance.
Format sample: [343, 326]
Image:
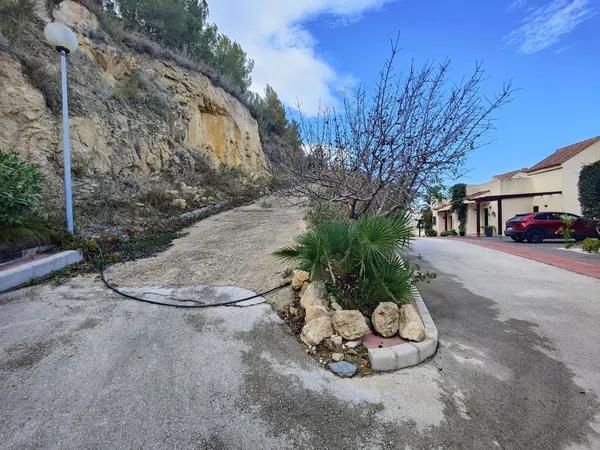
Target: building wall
[564, 178]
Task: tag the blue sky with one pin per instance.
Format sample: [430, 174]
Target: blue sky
[311, 50]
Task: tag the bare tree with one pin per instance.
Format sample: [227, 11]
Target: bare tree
[413, 132]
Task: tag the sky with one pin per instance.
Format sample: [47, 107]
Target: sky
[311, 50]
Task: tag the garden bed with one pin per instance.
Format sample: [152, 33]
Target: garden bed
[356, 342]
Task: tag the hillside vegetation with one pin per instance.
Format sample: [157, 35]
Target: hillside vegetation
[162, 120]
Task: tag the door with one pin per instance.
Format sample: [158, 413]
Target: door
[485, 217]
[550, 223]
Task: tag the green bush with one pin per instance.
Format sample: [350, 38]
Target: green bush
[430, 232]
[20, 188]
[322, 212]
[358, 260]
[566, 231]
[591, 245]
[449, 233]
[589, 191]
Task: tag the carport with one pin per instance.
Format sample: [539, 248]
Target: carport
[499, 198]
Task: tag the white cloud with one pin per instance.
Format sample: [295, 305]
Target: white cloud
[284, 51]
[544, 26]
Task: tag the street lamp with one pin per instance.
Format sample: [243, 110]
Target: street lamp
[65, 41]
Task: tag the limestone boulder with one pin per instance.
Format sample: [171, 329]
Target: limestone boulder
[299, 277]
[410, 324]
[316, 330]
[385, 319]
[314, 312]
[75, 15]
[314, 295]
[350, 324]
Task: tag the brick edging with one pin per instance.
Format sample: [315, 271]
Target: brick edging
[408, 353]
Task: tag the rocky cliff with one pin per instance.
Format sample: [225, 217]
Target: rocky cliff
[138, 121]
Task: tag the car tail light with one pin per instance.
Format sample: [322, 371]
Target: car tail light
[517, 224]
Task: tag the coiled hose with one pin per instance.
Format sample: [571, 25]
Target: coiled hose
[197, 303]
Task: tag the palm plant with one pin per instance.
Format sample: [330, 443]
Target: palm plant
[364, 253]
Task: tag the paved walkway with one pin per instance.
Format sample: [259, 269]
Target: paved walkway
[81, 367]
[546, 252]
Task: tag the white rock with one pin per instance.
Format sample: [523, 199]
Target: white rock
[336, 339]
[352, 344]
[299, 277]
[315, 311]
[314, 295]
[410, 324]
[385, 319]
[350, 324]
[316, 330]
[293, 310]
[337, 356]
[336, 306]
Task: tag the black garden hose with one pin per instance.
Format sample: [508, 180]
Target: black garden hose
[196, 304]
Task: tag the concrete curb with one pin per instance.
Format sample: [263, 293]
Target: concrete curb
[409, 353]
[23, 273]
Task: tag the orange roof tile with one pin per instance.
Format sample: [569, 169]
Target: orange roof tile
[563, 154]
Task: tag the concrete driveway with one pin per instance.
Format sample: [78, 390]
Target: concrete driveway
[517, 368]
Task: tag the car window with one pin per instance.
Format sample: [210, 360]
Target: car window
[543, 216]
[518, 217]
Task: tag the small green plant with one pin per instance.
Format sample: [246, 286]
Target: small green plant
[321, 212]
[20, 188]
[430, 232]
[591, 245]
[566, 231]
[133, 88]
[449, 233]
[358, 260]
[265, 204]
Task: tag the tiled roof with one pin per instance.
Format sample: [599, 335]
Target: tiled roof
[564, 154]
[504, 176]
[477, 194]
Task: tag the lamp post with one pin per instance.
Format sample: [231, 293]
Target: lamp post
[65, 42]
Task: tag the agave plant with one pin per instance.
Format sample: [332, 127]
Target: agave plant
[365, 251]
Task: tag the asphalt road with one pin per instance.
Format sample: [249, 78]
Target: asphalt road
[517, 367]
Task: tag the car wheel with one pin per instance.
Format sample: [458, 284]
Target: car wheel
[517, 238]
[535, 236]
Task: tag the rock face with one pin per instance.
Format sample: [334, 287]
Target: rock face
[410, 324]
[136, 119]
[385, 319]
[299, 277]
[313, 312]
[314, 295]
[349, 324]
[316, 330]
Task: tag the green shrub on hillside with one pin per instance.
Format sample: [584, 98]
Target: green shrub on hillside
[358, 260]
[321, 212]
[20, 188]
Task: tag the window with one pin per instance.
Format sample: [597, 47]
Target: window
[544, 216]
[536, 209]
[434, 220]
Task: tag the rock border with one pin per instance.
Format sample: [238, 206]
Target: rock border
[407, 354]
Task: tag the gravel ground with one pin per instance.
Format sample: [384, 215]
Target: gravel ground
[233, 248]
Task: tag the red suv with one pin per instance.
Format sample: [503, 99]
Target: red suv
[535, 227]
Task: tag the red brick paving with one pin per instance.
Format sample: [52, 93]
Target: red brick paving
[572, 265]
